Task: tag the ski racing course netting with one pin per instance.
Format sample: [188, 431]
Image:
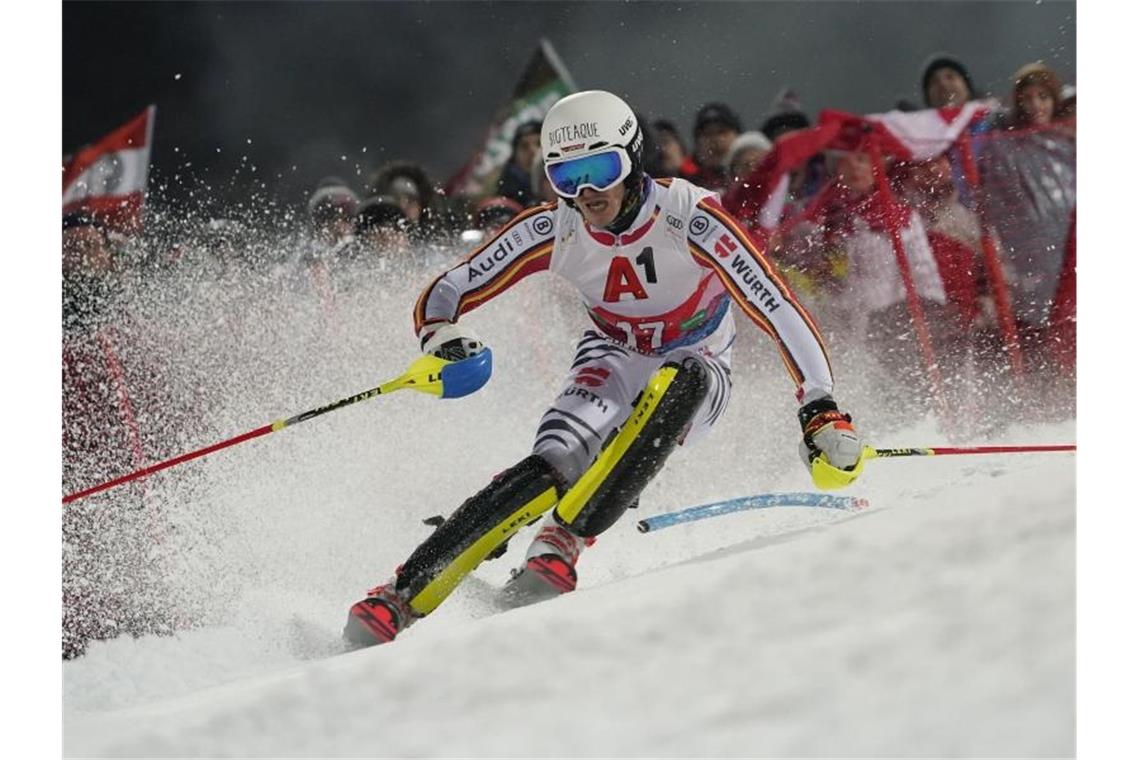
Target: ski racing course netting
[940, 621]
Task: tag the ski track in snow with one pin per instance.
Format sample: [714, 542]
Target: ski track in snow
[941, 621]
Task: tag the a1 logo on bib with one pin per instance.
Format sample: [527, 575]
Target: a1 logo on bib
[622, 277]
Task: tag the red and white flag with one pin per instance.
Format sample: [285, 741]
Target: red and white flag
[910, 136]
[108, 179]
[759, 201]
[913, 136]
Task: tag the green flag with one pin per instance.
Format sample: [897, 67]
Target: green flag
[544, 82]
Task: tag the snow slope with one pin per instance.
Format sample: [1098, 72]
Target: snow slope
[939, 622]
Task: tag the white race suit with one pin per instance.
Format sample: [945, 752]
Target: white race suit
[659, 292]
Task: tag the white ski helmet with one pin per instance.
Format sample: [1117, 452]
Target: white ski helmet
[594, 125]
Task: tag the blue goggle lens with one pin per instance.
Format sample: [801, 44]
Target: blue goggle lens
[601, 171]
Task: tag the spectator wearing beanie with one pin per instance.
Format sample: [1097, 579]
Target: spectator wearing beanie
[715, 128]
[493, 213]
[746, 153]
[675, 160]
[427, 217]
[331, 209]
[381, 226]
[1036, 95]
[407, 196]
[514, 182]
[786, 115]
[946, 82]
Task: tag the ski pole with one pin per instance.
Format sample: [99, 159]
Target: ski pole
[871, 453]
[759, 501]
[823, 501]
[428, 374]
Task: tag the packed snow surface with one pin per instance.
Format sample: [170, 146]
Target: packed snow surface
[940, 621]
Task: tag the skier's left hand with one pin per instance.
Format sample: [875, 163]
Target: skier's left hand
[450, 341]
[831, 447]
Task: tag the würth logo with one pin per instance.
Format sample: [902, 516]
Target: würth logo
[591, 376]
[724, 246]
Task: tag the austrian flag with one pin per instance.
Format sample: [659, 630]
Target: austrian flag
[108, 179]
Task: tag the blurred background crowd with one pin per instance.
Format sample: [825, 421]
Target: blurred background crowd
[1002, 194]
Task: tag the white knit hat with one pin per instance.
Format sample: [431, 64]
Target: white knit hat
[744, 141]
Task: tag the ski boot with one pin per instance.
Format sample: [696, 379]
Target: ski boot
[378, 617]
[548, 570]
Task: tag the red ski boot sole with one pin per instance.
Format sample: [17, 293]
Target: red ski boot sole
[554, 571]
[371, 622]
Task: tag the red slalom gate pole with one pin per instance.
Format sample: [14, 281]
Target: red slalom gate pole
[914, 306]
[943, 450]
[998, 285]
[264, 430]
[428, 374]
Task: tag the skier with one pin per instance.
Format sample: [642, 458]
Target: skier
[657, 263]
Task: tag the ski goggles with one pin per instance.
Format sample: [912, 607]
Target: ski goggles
[600, 171]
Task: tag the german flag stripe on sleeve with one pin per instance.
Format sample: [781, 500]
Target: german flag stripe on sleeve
[420, 315]
[742, 235]
[419, 318]
[753, 313]
[534, 260]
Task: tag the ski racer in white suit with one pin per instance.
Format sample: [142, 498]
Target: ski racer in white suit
[658, 264]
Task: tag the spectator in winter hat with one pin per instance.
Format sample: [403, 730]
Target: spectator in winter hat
[945, 82]
[493, 213]
[515, 182]
[746, 153]
[787, 115]
[404, 191]
[381, 226]
[715, 128]
[331, 210]
[425, 219]
[1036, 95]
[675, 160]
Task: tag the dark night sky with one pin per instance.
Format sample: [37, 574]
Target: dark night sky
[302, 84]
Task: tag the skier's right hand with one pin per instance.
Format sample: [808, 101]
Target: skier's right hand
[831, 448]
[449, 341]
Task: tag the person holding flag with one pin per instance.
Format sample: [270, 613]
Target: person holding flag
[659, 265]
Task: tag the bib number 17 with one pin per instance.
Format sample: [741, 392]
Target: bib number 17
[645, 335]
